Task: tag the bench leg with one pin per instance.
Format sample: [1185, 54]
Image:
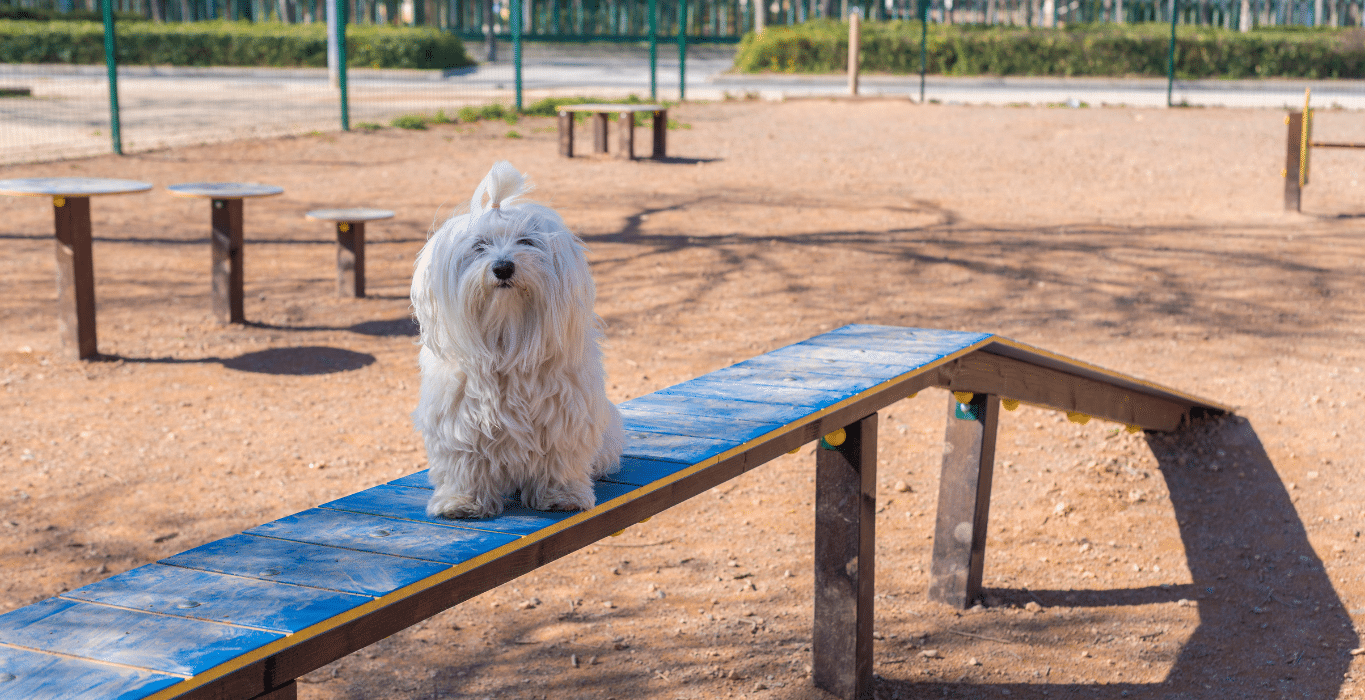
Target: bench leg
[660, 134]
[566, 134]
[845, 506]
[289, 691]
[351, 259]
[599, 133]
[75, 277]
[625, 146]
[226, 240]
[1292, 191]
[964, 499]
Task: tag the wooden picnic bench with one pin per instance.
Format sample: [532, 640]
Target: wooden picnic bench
[625, 143]
[244, 616]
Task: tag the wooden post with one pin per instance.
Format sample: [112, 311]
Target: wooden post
[351, 258]
[854, 38]
[75, 277]
[845, 514]
[964, 500]
[1293, 152]
[625, 145]
[227, 260]
[599, 132]
[660, 134]
[566, 134]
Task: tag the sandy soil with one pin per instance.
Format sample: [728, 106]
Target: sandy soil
[1225, 562]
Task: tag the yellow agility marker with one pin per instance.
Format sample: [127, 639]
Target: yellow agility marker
[794, 450]
[1009, 404]
[617, 533]
[836, 438]
[913, 395]
[1132, 429]
[1077, 417]
[964, 396]
[646, 519]
[343, 227]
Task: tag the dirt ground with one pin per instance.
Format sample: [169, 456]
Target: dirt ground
[1224, 562]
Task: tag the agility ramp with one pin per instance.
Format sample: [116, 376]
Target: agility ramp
[244, 616]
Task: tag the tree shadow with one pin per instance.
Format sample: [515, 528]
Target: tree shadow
[1270, 621]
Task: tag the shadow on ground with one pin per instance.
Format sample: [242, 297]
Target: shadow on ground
[307, 360]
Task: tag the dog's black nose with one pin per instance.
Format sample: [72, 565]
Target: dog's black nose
[503, 269]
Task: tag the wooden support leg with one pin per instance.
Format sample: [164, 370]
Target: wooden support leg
[964, 499]
[845, 512]
[1291, 162]
[75, 277]
[227, 260]
[289, 691]
[566, 134]
[660, 134]
[625, 146]
[351, 258]
[599, 132]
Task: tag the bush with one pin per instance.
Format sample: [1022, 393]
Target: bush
[221, 43]
[821, 46]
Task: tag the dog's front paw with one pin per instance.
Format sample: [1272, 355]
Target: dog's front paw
[462, 506]
[560, 497]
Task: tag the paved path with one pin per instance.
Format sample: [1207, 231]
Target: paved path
[68, 114]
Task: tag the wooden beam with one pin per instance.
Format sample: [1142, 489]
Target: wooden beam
[1293, 150]
[845, 516]
[964, 500]
[566, 134]
[75, 277]
[351, 258]
[289, 691]
[599, 132]
[226, 241]
[625, 131]
[983, 372]
[660, 127]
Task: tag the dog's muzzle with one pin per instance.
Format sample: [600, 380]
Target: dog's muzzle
[504, 269]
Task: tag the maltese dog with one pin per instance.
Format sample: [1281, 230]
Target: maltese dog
[513, 391]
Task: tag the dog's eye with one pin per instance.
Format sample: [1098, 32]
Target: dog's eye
[480, 246]
[529, 241]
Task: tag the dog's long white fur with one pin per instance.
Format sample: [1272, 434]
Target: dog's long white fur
[513, 391]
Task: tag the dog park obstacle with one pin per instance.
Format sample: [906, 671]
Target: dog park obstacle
[1299, 146]
[350, 225]
[625, 147]
[244, 616]
[75, 261]
[225, 238]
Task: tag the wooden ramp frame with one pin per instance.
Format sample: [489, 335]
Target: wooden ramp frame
[244, 616]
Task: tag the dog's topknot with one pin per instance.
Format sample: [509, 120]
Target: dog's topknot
[503, 185]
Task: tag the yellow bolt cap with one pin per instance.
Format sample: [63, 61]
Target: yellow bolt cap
[1009, 404]
[836, 438]
[59, 201]
[1077, 417]
[963, 396]
[617, 533]
[1133, 429]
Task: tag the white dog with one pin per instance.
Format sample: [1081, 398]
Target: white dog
[513, 396]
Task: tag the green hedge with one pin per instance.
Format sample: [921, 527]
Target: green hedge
[821, 46]
[221, 43]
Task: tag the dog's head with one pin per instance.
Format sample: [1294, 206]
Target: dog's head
[507, 280]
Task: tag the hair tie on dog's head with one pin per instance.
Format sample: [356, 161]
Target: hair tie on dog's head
[495, 205]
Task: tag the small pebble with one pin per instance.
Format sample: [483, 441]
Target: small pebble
[973, 662]
[1085, 655]
[1033, 607]
[930, 654]
[1358, 652]
[902, 487]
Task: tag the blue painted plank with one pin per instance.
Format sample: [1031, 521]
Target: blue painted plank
[838, 368]
[29, 675]
[813, 399]
[411, 504]
[311, 565]
[371, 533]
[417, 480]
[686, 449]
[780, 414]
[114, 635]
[642, 472]
[724, 429]
[172, 590]
[811, 351]
[768, 376]
[913, 341]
